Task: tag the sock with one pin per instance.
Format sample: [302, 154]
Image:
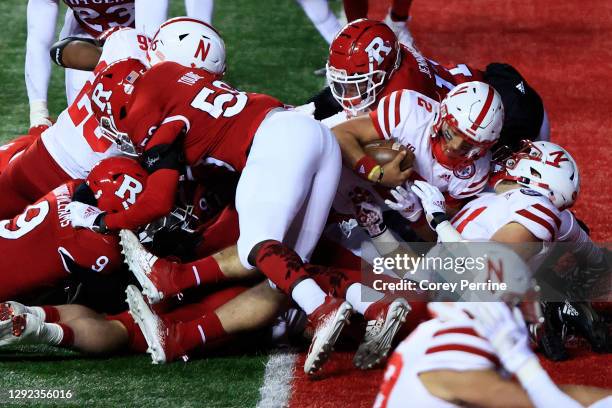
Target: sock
[53, 334]
[322, 17]
[400, 9]
[68, 337]
[49, 314]
[205, 270]
[284, 267]
[200, 9]
[308, 295]
[355, 9]
[198, 332]
[362, 297]
[281, 264]
[335, 281]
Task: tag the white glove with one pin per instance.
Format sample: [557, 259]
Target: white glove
[432, 201]
[406, 203]
[84, 215]
[506, 331]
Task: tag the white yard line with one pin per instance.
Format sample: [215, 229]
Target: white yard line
[276, 389]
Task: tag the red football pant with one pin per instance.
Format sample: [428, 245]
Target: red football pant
[27, 178]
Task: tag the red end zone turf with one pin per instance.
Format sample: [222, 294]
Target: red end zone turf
[564, 50]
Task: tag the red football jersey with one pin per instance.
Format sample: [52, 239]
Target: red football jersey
[96, 16]
[219, 121]
[425, 76]
[38, 246]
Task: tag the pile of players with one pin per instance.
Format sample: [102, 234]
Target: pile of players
[220, 200]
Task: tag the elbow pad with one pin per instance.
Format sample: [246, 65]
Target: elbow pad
[162, 156]
[57, 49]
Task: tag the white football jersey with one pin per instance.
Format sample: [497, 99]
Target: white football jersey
[408, 116]
[442, 343]
[74, 141]
[481, 218]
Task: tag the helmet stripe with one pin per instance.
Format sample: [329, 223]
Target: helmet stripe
[485, 109]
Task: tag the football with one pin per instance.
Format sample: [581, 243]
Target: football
[385, 150]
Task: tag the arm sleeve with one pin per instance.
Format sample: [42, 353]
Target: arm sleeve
[41, 18]
[571, 231]
[156, 201]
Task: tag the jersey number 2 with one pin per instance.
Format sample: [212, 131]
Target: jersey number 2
[223, 101]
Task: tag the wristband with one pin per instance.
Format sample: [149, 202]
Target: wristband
[438, 218]
[100, 224]
[368, 169]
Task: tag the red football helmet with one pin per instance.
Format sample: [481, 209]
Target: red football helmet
[364, 54]
[110, 94]
[116, 183]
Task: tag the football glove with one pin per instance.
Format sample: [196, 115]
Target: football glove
[83, 215]
[432, 201]
[406, 203]
[506, 330]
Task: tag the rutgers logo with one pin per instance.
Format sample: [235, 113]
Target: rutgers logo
[375, 50]
[101, 98]
[558, 158]
[128, 190]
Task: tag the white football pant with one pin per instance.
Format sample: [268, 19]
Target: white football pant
[287, 187]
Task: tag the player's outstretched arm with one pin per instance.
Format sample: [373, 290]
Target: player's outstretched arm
[483, 388]
[507, 333]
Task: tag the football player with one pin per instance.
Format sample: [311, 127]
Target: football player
[450, 141]
[85, 20]
[451, 361]
[177, 112]
[366, 63]
[70, 147]
[534, 189]
[203, 321]
[61, 250]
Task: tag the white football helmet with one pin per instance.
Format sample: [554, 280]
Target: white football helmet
[189, 42]
[544, 167]
[474, 110]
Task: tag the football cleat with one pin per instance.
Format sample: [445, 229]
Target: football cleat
[550, 335]
[582, 319]
[22, 328]
[10, 309]
[161, 344]
[327, 322]
[387, 319]
[140, 262]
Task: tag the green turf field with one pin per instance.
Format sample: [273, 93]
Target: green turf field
[272, 48]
